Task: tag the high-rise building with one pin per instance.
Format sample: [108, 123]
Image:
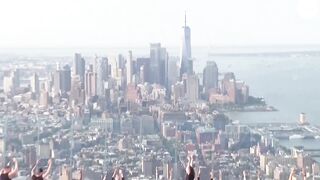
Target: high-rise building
[8, 84]
[186, 65]
[210, 76]
[57, 81]
[147, 166]
[142, 74]
[90, 84]
[101, 69]
[62, 79]
[192, 85]
[158, 58]
[77, 95]
[35, 86]
[143, 67]
[44, 98]
[120, 61]
[154, 62]
[146, 125]
[44, 150]
[114, 66]
[171, 76]
[11, 81]
[78, 68]
[65, 80]
[177, 92]
[30, 155]
[163, 68]
[129, 67]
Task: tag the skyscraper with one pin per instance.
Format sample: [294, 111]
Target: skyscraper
[171, 72]
[65, 74]
[154, 62]
[158, 58]
[56, 80]
[143, 66]
[129, 68]
[163, 66]
[11, 81]
[101, 68]
[62, 79]
[186, 65]
[8, 82]
[210, 76]
[79, 67]
[192, 83]
[35, 86]
[90, 84]
[77, 94]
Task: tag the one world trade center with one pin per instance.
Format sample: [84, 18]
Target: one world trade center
[186, 66]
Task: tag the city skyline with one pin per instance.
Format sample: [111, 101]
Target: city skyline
[235, 108]
[124, 23]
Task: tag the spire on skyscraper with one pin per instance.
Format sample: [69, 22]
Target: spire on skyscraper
[186, 65]
[185, 18]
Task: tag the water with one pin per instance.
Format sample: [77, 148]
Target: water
[307, 143]
[291, 84]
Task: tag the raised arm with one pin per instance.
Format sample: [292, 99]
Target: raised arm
[211, 175]
[293, 171]
[121, 174]
[81, 174]
[304, 174]
[48, 170]
[191, 161]
[188, 165]
[115, 173]
[104, 177]
[33, 170]
[15, 170]
[171, 174]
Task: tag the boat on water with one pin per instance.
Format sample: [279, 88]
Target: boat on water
[296, 136]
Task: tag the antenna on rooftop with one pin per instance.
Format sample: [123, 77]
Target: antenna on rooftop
[185, 18]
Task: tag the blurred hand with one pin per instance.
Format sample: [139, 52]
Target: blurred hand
[115, 172]
[120, 173]
[189, 158]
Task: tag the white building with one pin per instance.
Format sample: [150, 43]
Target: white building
[129, 68]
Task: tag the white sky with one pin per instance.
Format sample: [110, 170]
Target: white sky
[114, 23]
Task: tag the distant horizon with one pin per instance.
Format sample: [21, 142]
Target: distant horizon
[169, 46]
[144, 50]
[97, 23]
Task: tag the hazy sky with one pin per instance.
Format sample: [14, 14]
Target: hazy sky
[113, 23]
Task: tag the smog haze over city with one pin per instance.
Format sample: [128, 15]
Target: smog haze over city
[159, 90]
